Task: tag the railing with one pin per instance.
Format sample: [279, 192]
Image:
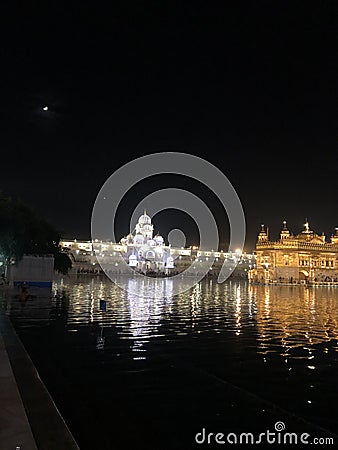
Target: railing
[299, 245]
[107, 247]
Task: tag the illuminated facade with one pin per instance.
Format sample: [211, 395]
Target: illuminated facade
[304, 258]
[145, 252]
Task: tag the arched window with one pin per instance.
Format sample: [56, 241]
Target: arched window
[150, 254]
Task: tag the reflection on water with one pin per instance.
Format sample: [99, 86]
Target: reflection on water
[279, 343]
[297, 317]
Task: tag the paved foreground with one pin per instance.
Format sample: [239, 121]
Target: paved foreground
[29, 419]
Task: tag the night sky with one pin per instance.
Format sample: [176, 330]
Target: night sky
[250, 86]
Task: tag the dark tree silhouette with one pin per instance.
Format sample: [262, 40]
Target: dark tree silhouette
[22, 231]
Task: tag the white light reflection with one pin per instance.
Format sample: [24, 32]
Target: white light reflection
[238, 310]
[146, 313]
[195, 296]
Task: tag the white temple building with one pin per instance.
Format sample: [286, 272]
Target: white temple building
[146, 252]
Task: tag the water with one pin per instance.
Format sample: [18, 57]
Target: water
[151, 373]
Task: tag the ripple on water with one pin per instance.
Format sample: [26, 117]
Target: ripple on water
[280, 343]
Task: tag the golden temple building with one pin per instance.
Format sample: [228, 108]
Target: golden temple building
[305, 258]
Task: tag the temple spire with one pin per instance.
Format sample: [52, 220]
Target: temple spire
[285, 233]
[263, 235]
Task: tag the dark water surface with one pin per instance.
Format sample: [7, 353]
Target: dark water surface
[226, 357]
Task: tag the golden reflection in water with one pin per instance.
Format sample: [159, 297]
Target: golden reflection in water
[282, 318]
[296, 316]
[266, 302]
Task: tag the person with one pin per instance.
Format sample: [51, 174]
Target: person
[24, 293]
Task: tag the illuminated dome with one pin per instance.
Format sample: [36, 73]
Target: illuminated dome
[159, 239]
[127, 239]
[130, 238]
[170, 262]
[151, 242]
[132, 261]
[144, 219]
[138, 239]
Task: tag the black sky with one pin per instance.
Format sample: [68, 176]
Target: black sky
[250, 86]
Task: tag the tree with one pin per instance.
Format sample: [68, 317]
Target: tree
[22, 231]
